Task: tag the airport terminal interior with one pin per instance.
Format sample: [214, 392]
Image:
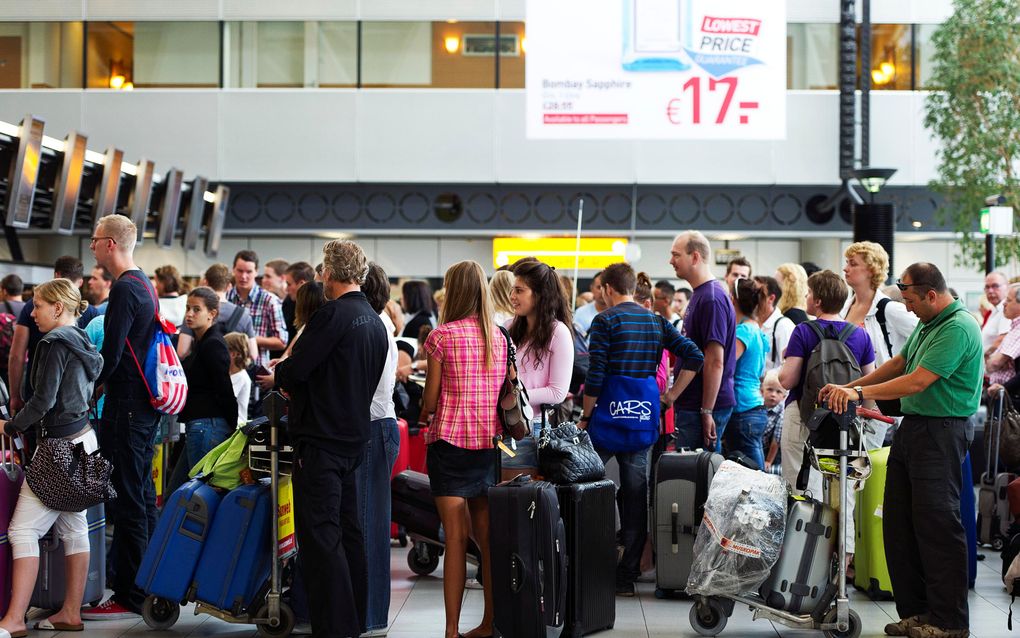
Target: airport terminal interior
[586, 134]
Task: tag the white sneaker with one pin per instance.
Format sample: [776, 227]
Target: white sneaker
[470, 583]
[372, 633]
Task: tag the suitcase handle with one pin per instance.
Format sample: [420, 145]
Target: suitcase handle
[674, 518]
[516, 573]
[198, 521]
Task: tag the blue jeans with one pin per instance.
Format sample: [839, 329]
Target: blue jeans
[201, 436]
[688, 428]
[634, 510]
[526, 449]
[125, 437]
[373, 478]
[745, 430]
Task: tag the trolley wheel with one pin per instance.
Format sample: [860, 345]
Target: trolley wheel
[998, 544]
[282, 628]
[852, 631]
[160, 613]
[708, 619]
[402, 539]
[423, 559]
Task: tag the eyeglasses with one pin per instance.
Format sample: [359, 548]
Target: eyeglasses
[93, 240]
[902, 286]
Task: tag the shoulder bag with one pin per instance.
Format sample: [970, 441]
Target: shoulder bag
[566, 455]
[67, 479]
[516, 419]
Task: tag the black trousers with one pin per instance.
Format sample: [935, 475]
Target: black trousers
[926, 547]
[333, 563]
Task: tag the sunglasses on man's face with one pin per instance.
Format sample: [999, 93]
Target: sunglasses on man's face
[902, 286]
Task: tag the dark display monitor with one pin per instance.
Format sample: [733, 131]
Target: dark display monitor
[169, 208]
[109, 185]
[141, 195]
[219, 215]
[24, 173]
[68, 187]
[195, 214]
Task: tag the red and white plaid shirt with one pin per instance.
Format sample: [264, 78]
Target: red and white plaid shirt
[466, 415]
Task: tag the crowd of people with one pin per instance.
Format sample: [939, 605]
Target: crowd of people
[723, 362]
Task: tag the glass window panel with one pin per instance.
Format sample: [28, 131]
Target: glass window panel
[925, 53]
[280, 54]
[890, 66]
[40, 55]
[125, 55]
[430, 54]
[812, 56]
[338, 54]
[511, 63]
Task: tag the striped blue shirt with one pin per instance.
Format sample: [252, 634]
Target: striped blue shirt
[627, 340]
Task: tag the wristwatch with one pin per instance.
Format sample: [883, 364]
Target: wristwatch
[860, 392]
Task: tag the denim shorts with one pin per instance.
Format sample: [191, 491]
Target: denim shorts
[455, 471]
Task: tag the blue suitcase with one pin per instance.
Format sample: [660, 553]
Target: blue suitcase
[168, 566]
[237, 558]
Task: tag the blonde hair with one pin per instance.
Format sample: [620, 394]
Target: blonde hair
[63, 292]
[467, 295]
[772, 376]
[121, 229]
[344, 261]
[874, 257]
[237, 345]
[794, 287]
[499, 287]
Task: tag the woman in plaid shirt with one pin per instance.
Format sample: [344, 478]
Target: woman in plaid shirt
[467, 364]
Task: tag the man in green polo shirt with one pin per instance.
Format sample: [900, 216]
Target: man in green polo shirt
[938, 376]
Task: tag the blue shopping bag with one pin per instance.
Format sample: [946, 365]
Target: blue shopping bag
[626, 416]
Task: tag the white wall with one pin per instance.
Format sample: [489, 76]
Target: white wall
[396, 53]
[176, 53]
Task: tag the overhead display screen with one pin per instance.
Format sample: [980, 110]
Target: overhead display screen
[656, 69]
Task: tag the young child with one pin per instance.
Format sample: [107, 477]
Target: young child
[775, 398]
[240, 359]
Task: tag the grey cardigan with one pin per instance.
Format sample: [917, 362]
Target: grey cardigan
[64, 370]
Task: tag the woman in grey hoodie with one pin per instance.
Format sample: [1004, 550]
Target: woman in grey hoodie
[64, 371]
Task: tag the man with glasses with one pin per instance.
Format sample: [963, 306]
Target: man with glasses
[937, 375]
[996, 324]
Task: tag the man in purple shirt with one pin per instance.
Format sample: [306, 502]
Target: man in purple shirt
[704, 408]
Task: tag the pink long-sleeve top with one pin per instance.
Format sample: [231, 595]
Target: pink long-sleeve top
[547, 382]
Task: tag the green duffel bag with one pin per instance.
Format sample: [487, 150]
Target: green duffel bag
[225, 462]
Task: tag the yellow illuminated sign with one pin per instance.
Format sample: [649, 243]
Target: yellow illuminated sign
[559, 252]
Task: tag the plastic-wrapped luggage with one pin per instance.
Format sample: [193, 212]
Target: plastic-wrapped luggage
[741, 534]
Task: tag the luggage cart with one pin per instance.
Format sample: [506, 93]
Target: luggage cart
[709, 614]
[273, 617]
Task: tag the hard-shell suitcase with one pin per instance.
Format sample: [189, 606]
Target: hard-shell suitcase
[237, 556]
[402, 462]
[171, 558]
[414, 509]
[993, 518]
[801, 580]
[49, 586]
[871, 572]
[416, 449]
[682, 480]
[11, 477]
[529, 558]
[589, 517]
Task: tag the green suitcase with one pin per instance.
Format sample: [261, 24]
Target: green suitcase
[871, 573]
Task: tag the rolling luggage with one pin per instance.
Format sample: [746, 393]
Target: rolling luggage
[11, 477]
[49, 586]
[993, 517]
[416, 449]
[871, 572]
[172, 556]
[237, 556]
[529, 558]
[682, 480]
[801, 580]
[588, 517]
[414, 510]
[402, 462]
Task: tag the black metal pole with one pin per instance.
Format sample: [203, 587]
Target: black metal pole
[989, 253]
[866, 56]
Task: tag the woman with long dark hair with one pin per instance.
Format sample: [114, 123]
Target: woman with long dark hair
[747, 425]
[419, 307]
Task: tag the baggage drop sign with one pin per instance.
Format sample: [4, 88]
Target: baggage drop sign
[656, 69]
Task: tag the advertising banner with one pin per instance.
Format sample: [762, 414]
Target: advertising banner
[656, 69]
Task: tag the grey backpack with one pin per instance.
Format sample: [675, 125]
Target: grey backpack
[830, 362]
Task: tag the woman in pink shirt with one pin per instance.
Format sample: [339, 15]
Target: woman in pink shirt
[467, 365]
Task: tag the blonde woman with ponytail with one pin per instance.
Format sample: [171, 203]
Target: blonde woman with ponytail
[64, 370]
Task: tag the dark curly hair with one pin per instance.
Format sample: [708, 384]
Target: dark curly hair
[550, 307]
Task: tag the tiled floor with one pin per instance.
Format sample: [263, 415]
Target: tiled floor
[416, 611]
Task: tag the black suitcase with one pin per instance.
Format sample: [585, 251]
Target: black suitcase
[414, 509]
[529, 557]
[589, 518]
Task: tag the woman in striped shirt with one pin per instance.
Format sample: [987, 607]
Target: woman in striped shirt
[466, 367]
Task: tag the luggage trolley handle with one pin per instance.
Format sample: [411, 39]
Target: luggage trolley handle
[997, 424]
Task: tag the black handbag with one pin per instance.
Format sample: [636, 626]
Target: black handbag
[516, 420]
[66, 478]
[566, 455]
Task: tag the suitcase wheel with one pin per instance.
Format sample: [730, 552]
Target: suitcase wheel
[998, 544]
[284, 624]
[160, 613]
[423, 559]
[708, 618]
[853, 629]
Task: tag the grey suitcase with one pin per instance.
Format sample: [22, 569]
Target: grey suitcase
[682, 480]
[993, 518]
[49, 586]
[801, 581]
